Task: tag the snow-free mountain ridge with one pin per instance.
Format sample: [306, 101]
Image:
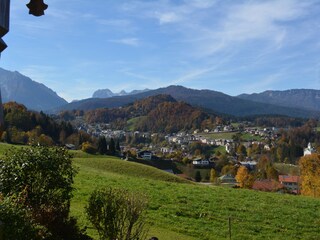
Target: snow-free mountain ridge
[107, 93]
[35, 96]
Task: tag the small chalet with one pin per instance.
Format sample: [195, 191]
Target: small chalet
[70, 146]
[147, 155]
[227, 180]
[250, 165]
[201, 163]
[291, 183]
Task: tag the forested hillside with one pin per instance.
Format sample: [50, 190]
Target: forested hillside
[160, 113]
[173, 117]
[22, 126]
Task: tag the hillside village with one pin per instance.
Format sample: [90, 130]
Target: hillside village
[175, 148]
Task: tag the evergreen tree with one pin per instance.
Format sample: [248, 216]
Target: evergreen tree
[118, 146]
[102, 145]
[197, 177]
[112, 147]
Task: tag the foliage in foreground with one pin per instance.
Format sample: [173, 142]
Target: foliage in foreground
[117, 214]
[16, 222]
[39, 181]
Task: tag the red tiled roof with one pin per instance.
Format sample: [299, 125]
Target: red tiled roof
[267, 185]
[287, 178]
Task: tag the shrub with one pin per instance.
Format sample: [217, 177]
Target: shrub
[16, 223]
[88, 148]
[117, 214]
[41, 179]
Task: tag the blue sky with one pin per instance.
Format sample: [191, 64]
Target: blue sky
[230, 46]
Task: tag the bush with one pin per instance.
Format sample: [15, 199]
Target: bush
[117, 214]
[88, 148]
[41, 179]
[16, 223]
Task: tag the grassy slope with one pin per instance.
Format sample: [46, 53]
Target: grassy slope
[190, 211]
[131, 124]
[181, 210]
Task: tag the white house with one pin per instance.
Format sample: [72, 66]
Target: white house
[201, 162]
[229, 147]
[309, 150]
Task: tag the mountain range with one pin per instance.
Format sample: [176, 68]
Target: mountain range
[211, 100]
[303, 103]
[107, 93]
[19, 88]
[295, 98]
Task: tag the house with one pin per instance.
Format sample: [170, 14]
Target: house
[229, 147]
[267, 185]
[308, 150]
[201, 163]
[70, 146]
[291, 183]
[147, 155]
[250, 165]
[227, 180]
[267, 147]
[166, 150]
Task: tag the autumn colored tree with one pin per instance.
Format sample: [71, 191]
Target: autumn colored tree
[310, 175]
[241, 150]
[229, 169]
[88, 148]
[244, 178]
[272, 173]
[213, 175]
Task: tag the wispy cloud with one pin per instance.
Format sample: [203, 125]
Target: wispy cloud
[167, 17]
[139, 76]
[135, 42]
[119, 23]
[266, 83]
[252, 21]
[191, 75]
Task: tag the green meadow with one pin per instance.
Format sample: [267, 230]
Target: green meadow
[179, 209]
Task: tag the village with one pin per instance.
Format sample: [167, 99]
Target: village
[190, 154]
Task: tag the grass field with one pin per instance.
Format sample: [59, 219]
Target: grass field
[179, 209]
[229, 135]
[182, 210]
[220, 135]
[131, 123]
[287, 169]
